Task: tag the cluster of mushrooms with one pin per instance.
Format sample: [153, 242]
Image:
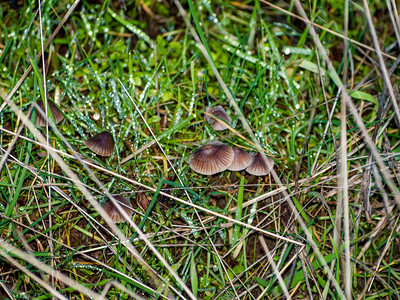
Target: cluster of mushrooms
[101, 144]
[209, 159]
[216, 156]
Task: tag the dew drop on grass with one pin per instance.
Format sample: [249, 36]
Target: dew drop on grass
[296, 85]
[86, 23]
[96, 75]
[131, 81]
[140, 34]
[60, 146]
[69, 69]
[258, 134]
[96, 116]
[103, 109]
[190, 222]
[12, 34]
[244, 55]
[192, 102]
[168, 255]
[206, 3]
[178, 116]
[111, 128]
[143, 94]
[57, 96]
[85, 266]
[276, 115]
[76, 127]
[131, 133]
[213, 18]
[286, 51]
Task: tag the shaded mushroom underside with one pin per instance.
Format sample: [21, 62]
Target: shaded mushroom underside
[211, 158]
[113, 212]
[219, 112]
[259, 166]
[101, 144]
[241, 160]
[55, 111]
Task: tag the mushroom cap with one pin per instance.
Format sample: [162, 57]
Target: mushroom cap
[143, 201]
[101, 144]
[220, 113]
[211, 158]
[113, 212]
[241, 160]
[55, 111]
[259, 166]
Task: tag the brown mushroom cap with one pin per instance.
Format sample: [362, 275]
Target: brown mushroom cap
[101, 144]
[259, 166]
[113, 212]
[211, 158]
[220, 113]
[55, 111]
[241, 160]
[143, 201]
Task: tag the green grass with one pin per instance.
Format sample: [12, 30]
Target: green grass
[141, 75]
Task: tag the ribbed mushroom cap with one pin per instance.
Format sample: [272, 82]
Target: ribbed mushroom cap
[55, 111]
[101, 144]
[241, 160]
[113, 212]
[211, 158]
[220, 113]
[259, 166]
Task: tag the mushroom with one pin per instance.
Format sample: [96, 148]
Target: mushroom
[241, 160]
[143, 201]
[101, 144]
[260, 166]
[113, 212]
[211, 158]
[215, 113]
[55, 111]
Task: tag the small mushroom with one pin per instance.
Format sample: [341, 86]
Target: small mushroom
[101, 144]
[219, 113]
[260, 166]
[143, 201]
[55, 111]
[113, 212]
[241, 160]
[211, 158]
